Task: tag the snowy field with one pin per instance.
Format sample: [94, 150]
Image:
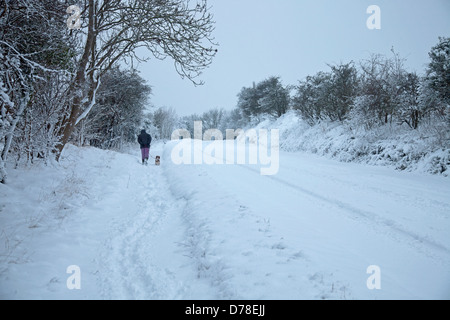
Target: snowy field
[222, 231]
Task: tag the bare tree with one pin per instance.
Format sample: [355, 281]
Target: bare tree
[113, 30]
[313, 97]
[165, 120]
[122, 99]
[212, 119]
[32, 48]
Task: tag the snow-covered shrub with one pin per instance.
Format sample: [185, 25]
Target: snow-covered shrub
[424, 150]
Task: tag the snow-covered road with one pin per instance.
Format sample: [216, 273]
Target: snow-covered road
[312, 230]
[222, 231]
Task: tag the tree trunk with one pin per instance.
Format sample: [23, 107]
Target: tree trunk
[8, 139]
[415, 119]
[3, 174]
[68, 126]
[78, 90]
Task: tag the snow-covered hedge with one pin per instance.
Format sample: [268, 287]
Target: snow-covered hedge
[422, 150]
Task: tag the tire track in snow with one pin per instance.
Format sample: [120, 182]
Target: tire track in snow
[367, 215]
[361, 213]
[418, 200]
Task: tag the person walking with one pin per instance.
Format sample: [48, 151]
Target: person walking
[145, 141]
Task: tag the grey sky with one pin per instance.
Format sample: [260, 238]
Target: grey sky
[293, 39]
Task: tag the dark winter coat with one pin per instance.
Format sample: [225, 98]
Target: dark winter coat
[144, 139]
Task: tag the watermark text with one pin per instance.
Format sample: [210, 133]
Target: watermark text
[239, 147]
[374, 21]
[374, 280]
[74, 280]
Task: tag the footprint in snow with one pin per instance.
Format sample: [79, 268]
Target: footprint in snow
[279, 246]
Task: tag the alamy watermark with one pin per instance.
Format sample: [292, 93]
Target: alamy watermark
[239, 147]
[374, 280]
[74, 280]
[74, 21]
[374, 21]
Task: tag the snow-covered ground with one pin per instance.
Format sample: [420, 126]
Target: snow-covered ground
[222, 231]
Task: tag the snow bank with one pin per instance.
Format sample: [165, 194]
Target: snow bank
[38, 229]
[422, 150]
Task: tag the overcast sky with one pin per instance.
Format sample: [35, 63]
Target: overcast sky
[293, 39]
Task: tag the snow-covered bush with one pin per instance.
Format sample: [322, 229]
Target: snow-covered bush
[423, 150]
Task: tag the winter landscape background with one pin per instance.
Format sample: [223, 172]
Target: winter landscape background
[363, 179]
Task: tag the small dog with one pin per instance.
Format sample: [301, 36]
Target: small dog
[157, 160]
